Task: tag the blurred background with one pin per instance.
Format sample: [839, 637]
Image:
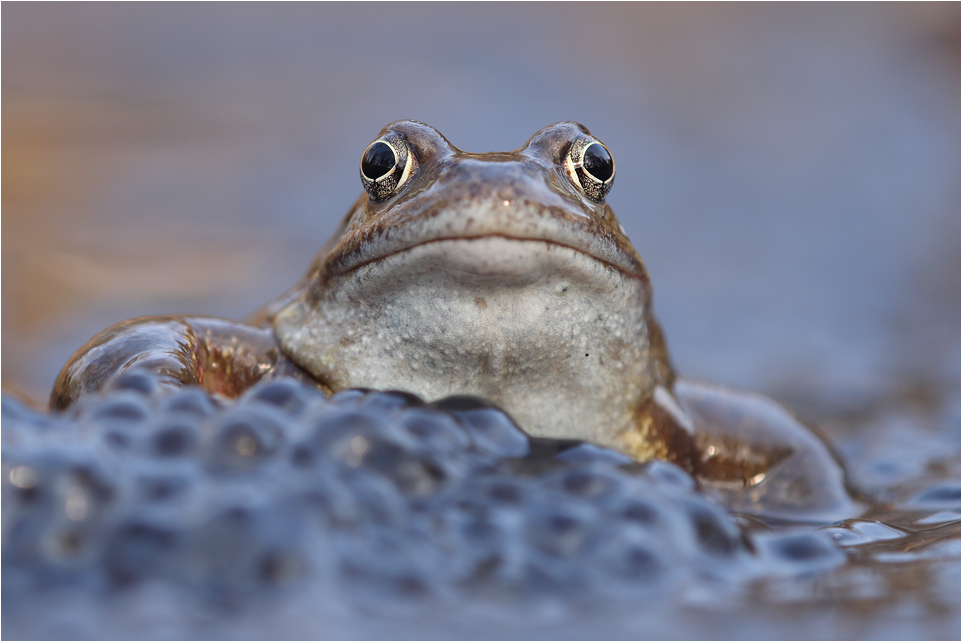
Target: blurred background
[790, 173]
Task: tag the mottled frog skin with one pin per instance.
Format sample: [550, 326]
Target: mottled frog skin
[500, 275]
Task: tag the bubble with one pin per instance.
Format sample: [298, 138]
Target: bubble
[362, 438]
[589, 485]
[174, 439]
[242, 438]
[384, 499]
[138, 549]
[349, 397]
[120, 417]
[505, 491]
[669, 474]
[799, 553]
[435, 432]
[66, 544]
[641, 512]
[558, 531]
[123, 408]
[163, 488]
[716, 533]
[135, 380]
[288, 395]
[492, 430]
[191, 401]
[628, 563]
[587, 453]
[392, 400]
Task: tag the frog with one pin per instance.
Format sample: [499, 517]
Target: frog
[501, 275]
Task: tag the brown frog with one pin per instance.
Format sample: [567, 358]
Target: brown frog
[501, 275]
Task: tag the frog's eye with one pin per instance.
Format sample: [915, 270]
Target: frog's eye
[591, 167]
[386, 165]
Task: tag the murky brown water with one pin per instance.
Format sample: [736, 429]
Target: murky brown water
[789, 173]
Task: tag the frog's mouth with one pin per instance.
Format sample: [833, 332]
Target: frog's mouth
[503, 229]
[486, 256]
[510, 277]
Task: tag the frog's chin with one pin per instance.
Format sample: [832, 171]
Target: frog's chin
[552, 335]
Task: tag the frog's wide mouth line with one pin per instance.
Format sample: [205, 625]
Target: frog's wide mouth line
[337, 270]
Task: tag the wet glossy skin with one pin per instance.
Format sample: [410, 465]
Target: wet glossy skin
[501, 275]
[486, 274]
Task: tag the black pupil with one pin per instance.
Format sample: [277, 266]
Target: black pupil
[597, 162]
[378, 160]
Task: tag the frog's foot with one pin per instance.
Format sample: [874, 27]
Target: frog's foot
[224, 357]
[756, 458]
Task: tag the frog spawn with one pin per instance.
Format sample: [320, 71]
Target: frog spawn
[376, 500]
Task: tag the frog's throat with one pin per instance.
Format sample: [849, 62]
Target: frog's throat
[557, 338]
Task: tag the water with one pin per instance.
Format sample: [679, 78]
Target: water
[790, 175]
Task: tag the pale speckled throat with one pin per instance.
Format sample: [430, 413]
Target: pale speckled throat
[527, 324]
[486, 274]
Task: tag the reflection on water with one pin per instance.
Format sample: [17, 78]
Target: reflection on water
[790, 175]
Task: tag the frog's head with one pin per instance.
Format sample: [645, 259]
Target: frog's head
[503, 275]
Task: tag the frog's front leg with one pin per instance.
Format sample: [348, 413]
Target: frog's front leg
[224, 357]
[757, 458]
